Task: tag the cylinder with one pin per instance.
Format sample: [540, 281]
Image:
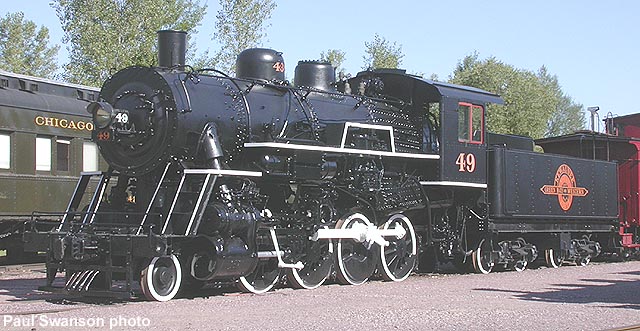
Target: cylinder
[172, 48]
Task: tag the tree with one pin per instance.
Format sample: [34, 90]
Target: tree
[240, 24]
[107, 35]
[382, 54]
[529, 104]
[336, 57]
[24, 48]
[569, 115]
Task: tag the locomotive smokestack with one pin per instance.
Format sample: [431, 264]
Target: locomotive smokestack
[172, 47]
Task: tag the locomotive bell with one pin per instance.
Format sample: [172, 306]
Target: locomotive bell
[260, 63]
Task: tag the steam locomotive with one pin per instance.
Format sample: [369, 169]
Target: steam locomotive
[248, 179]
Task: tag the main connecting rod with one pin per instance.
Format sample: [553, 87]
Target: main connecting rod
[361, 233]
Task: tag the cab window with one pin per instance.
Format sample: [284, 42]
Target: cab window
[470, 123]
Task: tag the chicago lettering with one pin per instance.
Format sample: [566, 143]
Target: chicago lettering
[63, 123]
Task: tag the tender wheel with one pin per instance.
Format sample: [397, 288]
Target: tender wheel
[625, 255]
[521, 265]
[552, 258]
[317, 266]
[399, 258]
[482, 260]
[534, 254]
[263, 278]
[583, 260]
[356, 261]
[161, 279]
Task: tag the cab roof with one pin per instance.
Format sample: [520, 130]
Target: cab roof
[401, 85]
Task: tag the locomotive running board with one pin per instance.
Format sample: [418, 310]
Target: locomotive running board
[458, 184]
[329, 149]
[223, 172]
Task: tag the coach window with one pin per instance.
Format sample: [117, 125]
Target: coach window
[5, 151]
[62, 154]
[470, 123]
[89, 156]
[43, 154]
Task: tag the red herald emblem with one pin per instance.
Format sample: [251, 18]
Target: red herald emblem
[564, 186]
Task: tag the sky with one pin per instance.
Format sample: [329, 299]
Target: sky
[590, 45]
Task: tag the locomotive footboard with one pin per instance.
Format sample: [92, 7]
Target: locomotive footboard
[97, 263]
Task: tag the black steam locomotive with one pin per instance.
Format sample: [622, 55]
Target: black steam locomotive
[241, 179]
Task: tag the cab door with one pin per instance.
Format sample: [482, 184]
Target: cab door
[464, 157]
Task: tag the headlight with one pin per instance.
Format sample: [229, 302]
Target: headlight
[102, 113]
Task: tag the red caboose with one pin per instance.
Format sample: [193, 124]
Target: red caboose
[620, 143]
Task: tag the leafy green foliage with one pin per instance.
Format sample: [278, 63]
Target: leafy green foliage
[569, 115]
[382, 54]
[108, 35]
[240, 24]
[24, 48]
[336, 57]
[529, 102]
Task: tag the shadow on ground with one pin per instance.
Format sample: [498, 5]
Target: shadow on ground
[613, 293]
[17, 288]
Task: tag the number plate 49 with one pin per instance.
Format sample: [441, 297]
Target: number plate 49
[466, 162]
